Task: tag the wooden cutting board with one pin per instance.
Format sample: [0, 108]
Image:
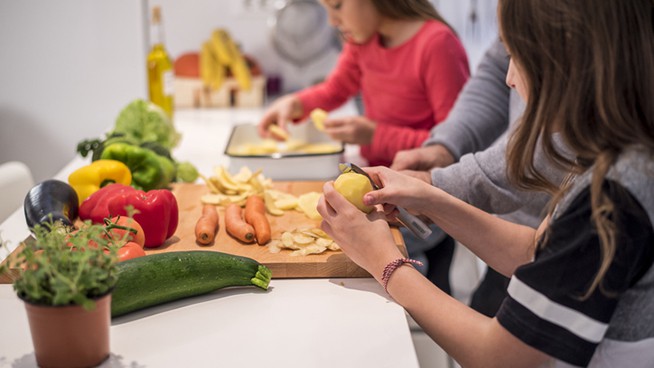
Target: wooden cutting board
[282, 264]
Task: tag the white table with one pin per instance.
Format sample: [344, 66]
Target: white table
[297, 323]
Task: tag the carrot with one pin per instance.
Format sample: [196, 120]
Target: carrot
[255, 215]
[207, 225]
[236, 226]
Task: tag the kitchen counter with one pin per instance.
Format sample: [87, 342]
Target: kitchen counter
[296, 323]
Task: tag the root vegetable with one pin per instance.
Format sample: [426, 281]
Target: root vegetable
[255, 215]
[236, 226]
[207, 225]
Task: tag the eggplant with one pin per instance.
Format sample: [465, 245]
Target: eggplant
[51, 201]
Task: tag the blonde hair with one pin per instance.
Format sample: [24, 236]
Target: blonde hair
[589, 70]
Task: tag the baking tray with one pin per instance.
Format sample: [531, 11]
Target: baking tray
[285, 165]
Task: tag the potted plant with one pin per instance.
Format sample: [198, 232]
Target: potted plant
[65, 279]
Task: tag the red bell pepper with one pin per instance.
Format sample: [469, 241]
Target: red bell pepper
[96, 206]
[155, 210]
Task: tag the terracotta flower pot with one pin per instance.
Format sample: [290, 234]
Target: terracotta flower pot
[70, 336]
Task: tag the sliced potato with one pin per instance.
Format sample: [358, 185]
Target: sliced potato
[237, 187]
[307, 203]
[286, 204]
[216, 199]
[310, 249]
[324, 242]
[303, 241]
[278, 132]
[269, 202]
[318, 116]
[320, 232]
[288, 241]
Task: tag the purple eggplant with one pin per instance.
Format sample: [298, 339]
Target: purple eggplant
[51, 201]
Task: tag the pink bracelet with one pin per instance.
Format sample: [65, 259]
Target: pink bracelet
[394, 265]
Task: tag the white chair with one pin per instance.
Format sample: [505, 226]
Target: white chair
[15, 181]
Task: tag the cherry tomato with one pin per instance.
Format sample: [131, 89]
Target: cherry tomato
[123, 227]
[130, 250]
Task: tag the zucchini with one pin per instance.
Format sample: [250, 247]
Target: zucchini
[159, 278]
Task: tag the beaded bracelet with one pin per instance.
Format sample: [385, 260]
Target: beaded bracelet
[394, 265]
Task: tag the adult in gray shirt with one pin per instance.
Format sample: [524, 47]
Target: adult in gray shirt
[465, 156]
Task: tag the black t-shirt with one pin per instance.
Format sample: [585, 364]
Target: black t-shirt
[546, 308]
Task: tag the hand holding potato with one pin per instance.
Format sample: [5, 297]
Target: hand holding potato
[284, 109]
[365, 238]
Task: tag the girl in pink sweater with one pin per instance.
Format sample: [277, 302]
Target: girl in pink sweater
[404, 59]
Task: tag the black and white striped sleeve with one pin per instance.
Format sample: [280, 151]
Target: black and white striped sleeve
[546, 307]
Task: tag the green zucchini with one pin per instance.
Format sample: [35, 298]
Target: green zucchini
[159, 278]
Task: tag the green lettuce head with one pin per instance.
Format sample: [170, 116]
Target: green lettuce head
[146, 122]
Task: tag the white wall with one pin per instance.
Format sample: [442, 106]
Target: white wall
[67, 67]
[476, 36]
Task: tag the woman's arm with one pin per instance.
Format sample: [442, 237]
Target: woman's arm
[481, 112]
[501, 244]
[471, 338]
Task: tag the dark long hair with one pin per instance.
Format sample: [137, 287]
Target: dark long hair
[408, 9]
[589, 70]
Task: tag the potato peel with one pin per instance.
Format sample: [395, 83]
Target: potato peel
[303, 242]
[226, 188]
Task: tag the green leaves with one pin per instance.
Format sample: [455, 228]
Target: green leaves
[63, 268]
[146, 122]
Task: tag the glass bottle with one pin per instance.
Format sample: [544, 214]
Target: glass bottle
[160, 67]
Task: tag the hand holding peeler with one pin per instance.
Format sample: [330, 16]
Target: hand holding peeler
[411, 222]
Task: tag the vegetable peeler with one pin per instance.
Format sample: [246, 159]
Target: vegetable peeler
[411, 222]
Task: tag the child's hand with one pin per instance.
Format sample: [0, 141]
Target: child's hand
[284, 109]
[353, 129]
[365, 238]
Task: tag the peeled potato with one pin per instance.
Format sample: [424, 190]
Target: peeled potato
[318, 117]
[353, 187]
[278, 132]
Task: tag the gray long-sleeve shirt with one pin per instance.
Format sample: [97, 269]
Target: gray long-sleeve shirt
[476, 132]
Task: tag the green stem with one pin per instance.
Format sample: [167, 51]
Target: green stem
[112, 225]
[262, 277]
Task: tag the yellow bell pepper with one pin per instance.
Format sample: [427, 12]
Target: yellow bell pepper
[90, 178]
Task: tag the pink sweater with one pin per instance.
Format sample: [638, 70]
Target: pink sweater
[406, 89]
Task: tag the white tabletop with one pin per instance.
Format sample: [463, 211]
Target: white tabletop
[296, 323]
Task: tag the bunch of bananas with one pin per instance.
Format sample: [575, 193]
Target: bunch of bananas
[220, 54]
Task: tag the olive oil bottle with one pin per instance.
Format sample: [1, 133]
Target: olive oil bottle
[160, 67]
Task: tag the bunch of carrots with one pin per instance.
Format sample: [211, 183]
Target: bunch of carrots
[247, 225]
